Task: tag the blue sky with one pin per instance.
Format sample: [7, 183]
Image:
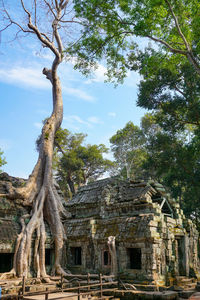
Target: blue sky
[90, 105]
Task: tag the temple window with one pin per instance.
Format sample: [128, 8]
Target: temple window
[106, 258]
[76, 255]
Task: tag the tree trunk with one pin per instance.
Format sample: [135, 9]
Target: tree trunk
[41, 194]
[71, 185]
[113, 254]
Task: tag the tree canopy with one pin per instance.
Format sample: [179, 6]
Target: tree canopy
[114, 29]
[76, 163]
[171, 158]
[127, 146]
[118, 33]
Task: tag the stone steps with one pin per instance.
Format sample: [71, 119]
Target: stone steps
[185, 282]
[14, 289]
[186, 294]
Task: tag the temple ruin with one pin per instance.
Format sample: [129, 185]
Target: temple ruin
[128, 228]
[153, 239]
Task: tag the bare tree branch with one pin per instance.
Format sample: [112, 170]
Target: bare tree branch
[1, 30]
[57, 6]
[189, 54]
[63, 4]
[174, 50]
[178, 27]
[50, 8]
[41, 36]
[35, 12]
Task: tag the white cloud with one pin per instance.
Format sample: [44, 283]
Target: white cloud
[112, 114]
[95, 120]
[100, 73]
[47, 56]
[78, 93]
[76, 119]
[22, 175]
[24, 76]
[33, 77]
[38, 125]
[109, 155]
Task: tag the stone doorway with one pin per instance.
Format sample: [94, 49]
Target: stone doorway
[76, 253]
[181, 256]
[134, 258]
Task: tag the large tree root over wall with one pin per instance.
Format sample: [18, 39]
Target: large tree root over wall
[41, 194]
[113, 254]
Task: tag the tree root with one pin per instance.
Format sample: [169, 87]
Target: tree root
[8, 275]
[49, 203]
[39, 191]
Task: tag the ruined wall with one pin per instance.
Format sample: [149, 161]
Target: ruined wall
[10, 213]
[154, 240]
[145, 226]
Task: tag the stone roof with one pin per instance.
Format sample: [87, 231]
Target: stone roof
[119, 190]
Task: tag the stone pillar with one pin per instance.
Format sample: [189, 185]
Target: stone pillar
[186, 256]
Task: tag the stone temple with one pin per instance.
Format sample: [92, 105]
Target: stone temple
[153, 239]
[133, 229]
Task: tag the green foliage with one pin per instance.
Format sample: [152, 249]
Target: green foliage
[75, 163]
[112, 27]
[2, 160]
[170, 86]
[173, 92]
[168, 156]
[127, 146]
[174, 160]
[171, 89]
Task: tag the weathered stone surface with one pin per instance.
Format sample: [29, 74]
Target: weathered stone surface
[10, 213]
[154, 241]
[145, 222]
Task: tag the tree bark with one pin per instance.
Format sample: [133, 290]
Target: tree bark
[71, 185]
[42, 195]
[39, 193]
[113, 254]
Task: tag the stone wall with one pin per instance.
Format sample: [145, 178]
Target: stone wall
[10, 213]
[146, 224]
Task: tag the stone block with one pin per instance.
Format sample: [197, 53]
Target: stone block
[153, 223]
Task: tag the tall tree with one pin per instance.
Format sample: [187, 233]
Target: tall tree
[48, 22]
[172, 91]
[170, 69]
[76, 164]
[169, 88]
[173, 160]
[165, 154]
[128, 147]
